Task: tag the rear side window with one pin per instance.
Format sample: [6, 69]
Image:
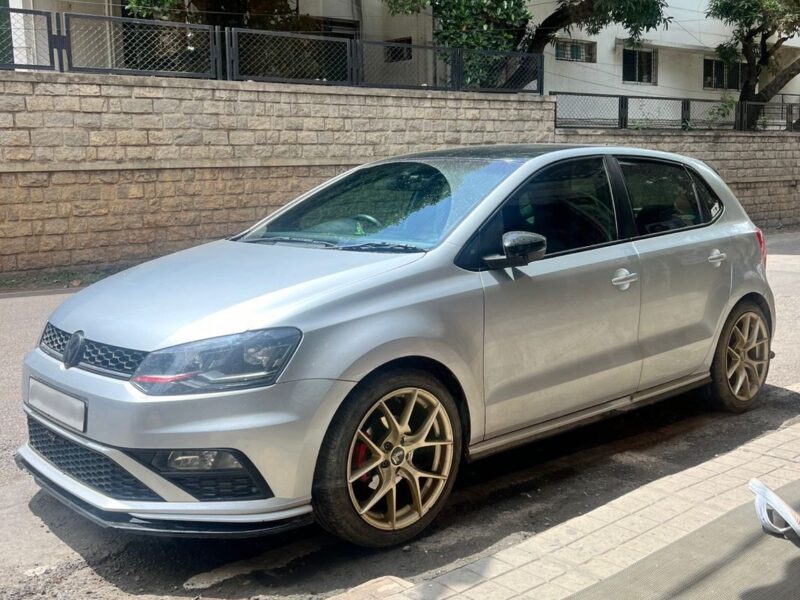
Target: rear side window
[661, 194]
[709, 203]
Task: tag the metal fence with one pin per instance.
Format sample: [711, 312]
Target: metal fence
[26, 39]
[278, 56]
[653, 112]
[100, 44]
[140, 46]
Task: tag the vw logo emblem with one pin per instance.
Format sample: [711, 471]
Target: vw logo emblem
[73, 351]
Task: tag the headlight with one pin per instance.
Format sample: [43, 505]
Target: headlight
[244, 360]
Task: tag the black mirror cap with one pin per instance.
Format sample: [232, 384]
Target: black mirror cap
[520, 248]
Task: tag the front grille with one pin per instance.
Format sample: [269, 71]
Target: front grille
[96, 356]
[87, 466]
[54, 338]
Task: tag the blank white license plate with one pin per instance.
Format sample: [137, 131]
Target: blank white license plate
[60, 407]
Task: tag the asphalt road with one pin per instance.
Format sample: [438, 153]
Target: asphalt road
[47, 550]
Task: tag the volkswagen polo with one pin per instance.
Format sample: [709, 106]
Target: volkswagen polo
[338, 360]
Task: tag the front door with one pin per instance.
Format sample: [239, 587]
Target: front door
[560, 333]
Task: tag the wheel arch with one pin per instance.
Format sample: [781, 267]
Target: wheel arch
[758, 298]
[443, 374]
[760, 301]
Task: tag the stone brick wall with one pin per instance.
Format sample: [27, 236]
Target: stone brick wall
[99, 169]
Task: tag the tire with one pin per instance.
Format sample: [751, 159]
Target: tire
[346, 452]
[731, 351]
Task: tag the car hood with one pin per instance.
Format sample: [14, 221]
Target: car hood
[215, 289]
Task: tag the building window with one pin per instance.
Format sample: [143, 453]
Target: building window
[398, 50]
[640, 66]
[576, 50]
[719, 76]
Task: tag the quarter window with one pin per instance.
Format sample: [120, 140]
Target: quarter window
[569, 203]
[661, 195]
[708, 199]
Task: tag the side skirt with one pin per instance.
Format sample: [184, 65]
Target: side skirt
[558, 425]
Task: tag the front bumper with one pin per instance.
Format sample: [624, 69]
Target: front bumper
[163, 527]
[279, 429]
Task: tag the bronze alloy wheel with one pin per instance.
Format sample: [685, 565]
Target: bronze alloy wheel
[747, 356]
[400, 459]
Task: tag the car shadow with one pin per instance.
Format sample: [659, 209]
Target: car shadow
[496, 501]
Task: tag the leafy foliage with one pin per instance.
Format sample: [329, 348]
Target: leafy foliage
[496, 25]
[760, 28]
[508, 24]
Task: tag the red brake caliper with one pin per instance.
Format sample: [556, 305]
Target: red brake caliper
[361, 458]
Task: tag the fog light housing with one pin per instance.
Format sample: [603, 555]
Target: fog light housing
[195, 460]
[208, 474]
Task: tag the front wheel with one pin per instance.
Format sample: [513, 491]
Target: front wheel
[389, 459]
[741, 360]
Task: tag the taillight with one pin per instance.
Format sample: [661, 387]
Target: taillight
[762, 245]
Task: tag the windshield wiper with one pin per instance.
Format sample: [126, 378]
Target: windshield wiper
[290, 240]
[382, 247]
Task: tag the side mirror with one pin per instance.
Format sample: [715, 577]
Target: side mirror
[519, 249]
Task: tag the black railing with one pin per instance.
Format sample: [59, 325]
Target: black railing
[99, 44]
[26, 39]
[574, 110]
[140, 47]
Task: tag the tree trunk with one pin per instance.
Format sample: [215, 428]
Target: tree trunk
[547, 30]
[751, 113]
[777, 83]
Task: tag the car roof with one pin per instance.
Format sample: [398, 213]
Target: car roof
[496, 151]
[526, 152]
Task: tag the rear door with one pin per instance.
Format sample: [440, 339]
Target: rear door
[686, 274]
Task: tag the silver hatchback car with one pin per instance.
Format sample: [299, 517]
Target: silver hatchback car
[339, 359]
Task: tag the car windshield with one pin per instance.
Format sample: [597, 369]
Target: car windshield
[401, 206]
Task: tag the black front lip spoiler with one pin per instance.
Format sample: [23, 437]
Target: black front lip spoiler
[166, 528]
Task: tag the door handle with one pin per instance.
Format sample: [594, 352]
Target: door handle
[717, 257]
[623, 279]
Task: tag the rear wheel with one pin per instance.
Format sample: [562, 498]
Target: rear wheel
[389, 459]
[741, 361]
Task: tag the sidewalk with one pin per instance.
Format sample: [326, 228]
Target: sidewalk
[576, 554]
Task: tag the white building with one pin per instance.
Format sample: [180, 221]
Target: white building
[679, 61]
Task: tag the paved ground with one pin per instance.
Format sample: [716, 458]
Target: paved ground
[547, 518]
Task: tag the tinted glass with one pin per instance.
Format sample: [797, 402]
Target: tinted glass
[569, 203]
[416, 203]
[708, 199]
[628, 65]
[661, 195]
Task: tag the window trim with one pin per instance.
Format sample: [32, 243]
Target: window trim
[654, 62]
[613, 191]
[588, 43]
[726, 68]
[629, 206]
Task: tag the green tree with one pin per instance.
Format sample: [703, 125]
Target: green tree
[760, 29]
[508, 24]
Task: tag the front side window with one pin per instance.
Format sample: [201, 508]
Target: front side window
[569, 203]
[639, 66]
[661, 195]
[404, 204]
